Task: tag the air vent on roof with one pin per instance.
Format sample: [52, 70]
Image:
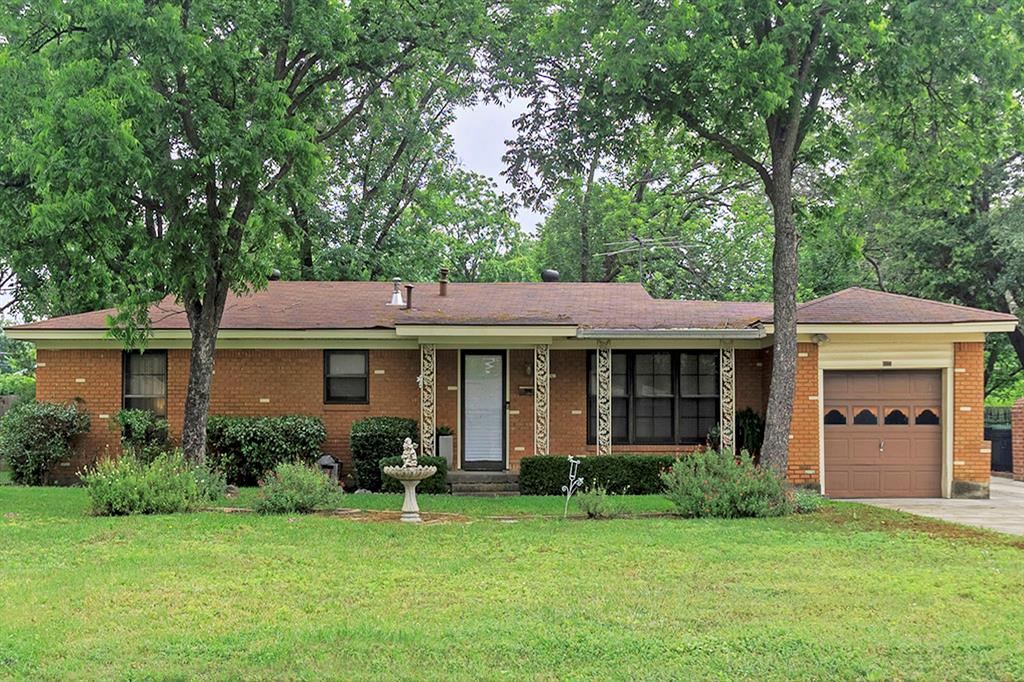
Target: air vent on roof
[549, 275]
[396, 295]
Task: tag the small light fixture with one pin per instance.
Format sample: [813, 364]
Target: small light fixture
[396, 295]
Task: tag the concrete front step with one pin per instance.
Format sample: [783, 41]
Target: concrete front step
[484, 483]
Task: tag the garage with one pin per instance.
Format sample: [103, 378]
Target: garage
[883, 433]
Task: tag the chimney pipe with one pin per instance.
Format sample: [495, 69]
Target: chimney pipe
[408, 296]
[443, 282]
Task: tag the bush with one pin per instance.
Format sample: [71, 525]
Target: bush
[618, 474]
[717, 484]
[19, 385]
[807, 501]
[211, 482]
[246, 448]
[436, 484]
[375, 438]
[597, 503]
[295, 488]
[33, 436]
[126, 485]
[143, 434]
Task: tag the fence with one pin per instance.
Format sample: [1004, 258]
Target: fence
[999, 430]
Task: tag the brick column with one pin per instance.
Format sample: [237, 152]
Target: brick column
[972, 455]
[804, 430]
[1018, 440]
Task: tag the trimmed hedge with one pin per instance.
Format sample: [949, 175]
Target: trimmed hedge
[246, 448]
[617, 474]
[375, 438]
[143, 434]
[436, 484]
[34, 436]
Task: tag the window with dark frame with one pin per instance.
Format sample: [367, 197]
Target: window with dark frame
[346, 376]
[145, 382]
[658, 397]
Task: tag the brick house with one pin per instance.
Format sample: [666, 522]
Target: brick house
[888, 396]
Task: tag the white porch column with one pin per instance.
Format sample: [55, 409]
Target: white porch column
[541, 385]
[604, 398]
[428, 391]
[727, 393]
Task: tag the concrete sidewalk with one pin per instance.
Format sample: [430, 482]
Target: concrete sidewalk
[1003, 512]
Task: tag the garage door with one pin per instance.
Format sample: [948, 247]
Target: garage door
[883, 433]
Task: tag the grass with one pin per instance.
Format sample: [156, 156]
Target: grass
[848, 592]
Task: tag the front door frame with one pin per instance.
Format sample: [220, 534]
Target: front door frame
[483, 466]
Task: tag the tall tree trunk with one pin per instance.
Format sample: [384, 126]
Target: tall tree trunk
[585, 224]
[775, 449]
[204, 318]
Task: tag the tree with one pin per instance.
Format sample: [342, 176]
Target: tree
[161, 138]
[763, 85]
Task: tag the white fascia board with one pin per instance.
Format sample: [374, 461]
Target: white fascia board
[748, 333]
[905, 328]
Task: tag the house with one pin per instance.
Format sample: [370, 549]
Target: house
[888, 396]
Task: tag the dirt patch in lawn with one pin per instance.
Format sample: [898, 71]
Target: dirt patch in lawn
[863, 517]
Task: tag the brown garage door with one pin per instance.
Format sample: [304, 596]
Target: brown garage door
[883, 433]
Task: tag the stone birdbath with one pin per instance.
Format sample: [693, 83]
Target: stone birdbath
[410, 474]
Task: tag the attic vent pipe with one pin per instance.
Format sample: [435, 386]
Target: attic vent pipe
[408, 296]
[396, 295]
[442, 282]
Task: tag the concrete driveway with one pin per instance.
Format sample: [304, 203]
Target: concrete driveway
[1003, 511]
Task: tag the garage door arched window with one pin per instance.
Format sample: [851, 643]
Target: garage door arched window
[897, 416]
[927, 416]
[865, 416]
[836, 416]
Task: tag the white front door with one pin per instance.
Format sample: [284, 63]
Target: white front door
[483, 410]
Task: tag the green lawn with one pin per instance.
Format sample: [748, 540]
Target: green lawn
[848, 592]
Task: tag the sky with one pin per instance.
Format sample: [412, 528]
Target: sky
[480, 133]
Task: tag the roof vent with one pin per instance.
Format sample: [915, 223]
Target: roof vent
[549, 275]
[396, 295]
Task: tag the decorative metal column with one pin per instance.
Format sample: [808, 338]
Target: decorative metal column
[727, 393]
[428, 391]
[541, 384]
[604, 398]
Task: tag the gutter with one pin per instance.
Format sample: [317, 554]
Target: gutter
[683, 333]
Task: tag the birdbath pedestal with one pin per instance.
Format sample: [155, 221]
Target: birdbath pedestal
[410, 478]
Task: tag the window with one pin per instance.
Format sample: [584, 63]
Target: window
[896, 416]
[145, 382]
[346, 376]
[836, 416]
[865, 416]
[927, 416]
[661, 397]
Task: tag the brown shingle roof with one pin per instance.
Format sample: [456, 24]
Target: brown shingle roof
[857, 305]
[361, 305]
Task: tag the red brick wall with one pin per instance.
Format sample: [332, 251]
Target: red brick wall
[245, 383]
[447, 397]
[92, 377]
[972, 454]
[804, 439]
[1018, 440]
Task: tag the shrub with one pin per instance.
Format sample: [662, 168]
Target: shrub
[618, 474]
[807, 501]
[19, 385]
[143, 434]
[749, 430]
[33, 436]
[597, 503]
[436, 484]
[246, 448]
[375, 438]
[294, 488]
[126, 485]
[211, 482]
[717, 484]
